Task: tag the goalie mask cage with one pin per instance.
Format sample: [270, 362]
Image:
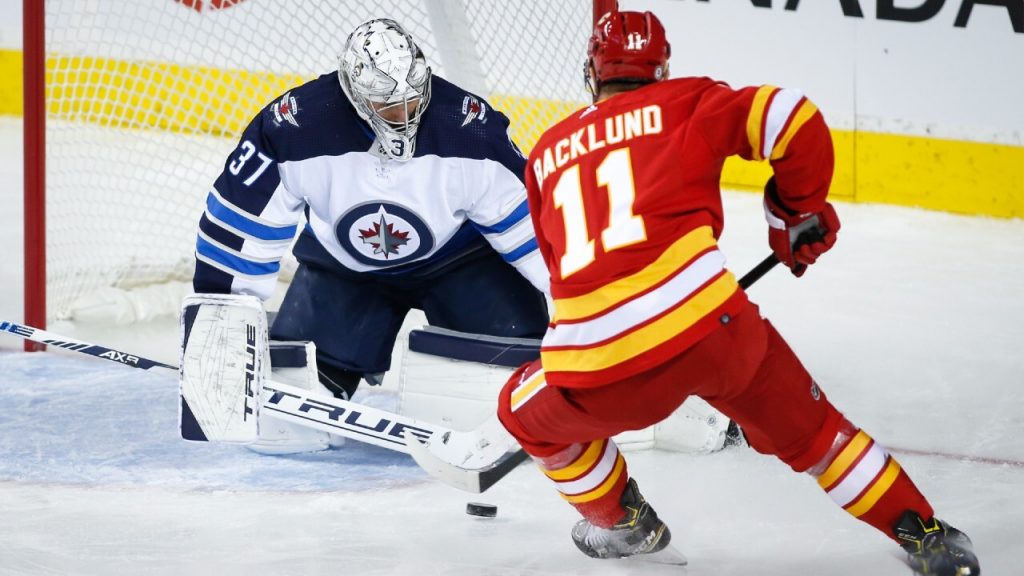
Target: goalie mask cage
[131, 109]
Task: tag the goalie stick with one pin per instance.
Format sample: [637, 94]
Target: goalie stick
[321, 412]
[470, 461]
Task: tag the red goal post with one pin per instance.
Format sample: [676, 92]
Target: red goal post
[131, 107]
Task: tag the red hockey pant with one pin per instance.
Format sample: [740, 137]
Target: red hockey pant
[744, 369]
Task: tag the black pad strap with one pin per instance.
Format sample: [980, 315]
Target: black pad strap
[288, 354]
[496, 350]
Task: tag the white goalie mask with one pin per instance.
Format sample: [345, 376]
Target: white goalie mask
[385, 76]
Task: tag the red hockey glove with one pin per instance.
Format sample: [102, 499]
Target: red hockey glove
[798, 239]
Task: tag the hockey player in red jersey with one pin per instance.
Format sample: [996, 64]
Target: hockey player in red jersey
[626, 204]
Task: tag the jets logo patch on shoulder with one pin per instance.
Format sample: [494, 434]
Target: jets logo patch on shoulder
[473, 109]
[383, 234]
[286, 109]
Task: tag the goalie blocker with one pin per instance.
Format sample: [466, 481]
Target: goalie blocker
[223, 366]
[453, 378]
[226, 365]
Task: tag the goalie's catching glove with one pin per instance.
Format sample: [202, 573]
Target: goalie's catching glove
[798, 239]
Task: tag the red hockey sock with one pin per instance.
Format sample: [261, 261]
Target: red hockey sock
[866, 481]
[592, 479]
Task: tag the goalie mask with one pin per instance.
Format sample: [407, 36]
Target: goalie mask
[386, 77]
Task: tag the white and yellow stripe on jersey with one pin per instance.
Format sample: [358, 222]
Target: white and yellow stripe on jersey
[776, 115]
[617, 322]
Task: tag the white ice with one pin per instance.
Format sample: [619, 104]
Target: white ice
[914, 326]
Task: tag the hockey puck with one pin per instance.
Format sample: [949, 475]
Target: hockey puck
[481, 509]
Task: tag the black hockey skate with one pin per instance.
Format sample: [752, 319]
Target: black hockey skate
[934, 547]
[734, 435]
[640, 531]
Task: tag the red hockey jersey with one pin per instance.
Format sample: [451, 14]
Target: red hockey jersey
[627, 209]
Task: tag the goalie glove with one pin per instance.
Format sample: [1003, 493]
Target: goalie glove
[798, 239]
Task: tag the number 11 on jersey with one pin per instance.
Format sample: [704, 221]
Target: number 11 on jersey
[624, 227]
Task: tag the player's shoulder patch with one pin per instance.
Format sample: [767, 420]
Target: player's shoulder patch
[459, 108]
[296, 107]
[286, 110]
[473, 108]
[459, 123]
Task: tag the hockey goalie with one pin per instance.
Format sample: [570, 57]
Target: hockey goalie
[413, 198]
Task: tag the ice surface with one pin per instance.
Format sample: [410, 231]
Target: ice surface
[913, 325]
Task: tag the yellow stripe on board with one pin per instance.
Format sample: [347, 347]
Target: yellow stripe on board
[951, 175]
[954, 176]
[740, 174]
[974, 178]
[160, 95]
[530, 117]
[13, 84]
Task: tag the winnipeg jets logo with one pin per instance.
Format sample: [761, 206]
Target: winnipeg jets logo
[384, 238]
[286, 109]
[383, 234]
[473, 108]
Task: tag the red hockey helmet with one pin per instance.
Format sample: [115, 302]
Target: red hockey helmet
[626, 46]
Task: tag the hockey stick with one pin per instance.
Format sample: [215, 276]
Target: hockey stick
[473, 460]
[470, 460]
[758, 271]
[283, 401]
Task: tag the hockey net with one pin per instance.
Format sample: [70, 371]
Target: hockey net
[145, 100]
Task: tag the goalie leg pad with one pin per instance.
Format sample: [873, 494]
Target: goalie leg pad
[293, 363]
[223, 366]
[454, 378]
[696, 427]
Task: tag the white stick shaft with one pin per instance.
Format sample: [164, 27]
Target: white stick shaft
[344, 418]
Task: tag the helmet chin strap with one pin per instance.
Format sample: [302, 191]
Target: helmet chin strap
[397, 140]
[590, 79]
[397, 146]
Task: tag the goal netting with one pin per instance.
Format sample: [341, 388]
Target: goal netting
[145, 99]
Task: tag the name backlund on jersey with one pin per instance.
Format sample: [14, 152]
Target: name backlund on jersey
[636, 275]
[613, 130]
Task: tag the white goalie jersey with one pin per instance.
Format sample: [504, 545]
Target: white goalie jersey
[309, 154]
